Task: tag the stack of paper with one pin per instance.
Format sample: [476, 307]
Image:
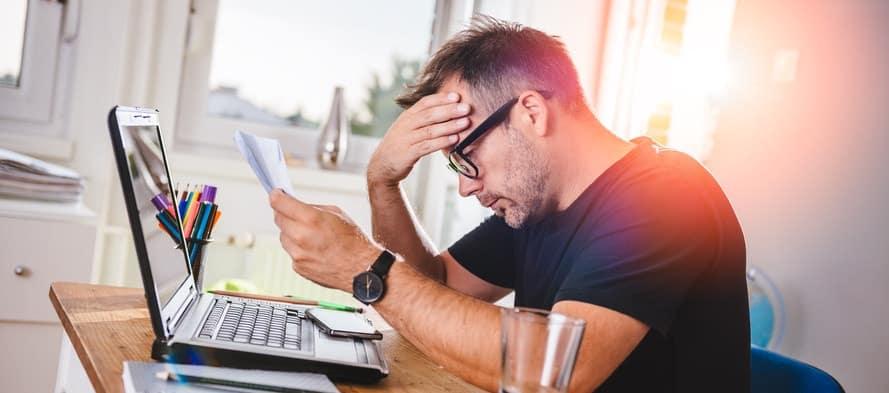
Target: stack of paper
[29, 178]
[142, 377]
[266, 159]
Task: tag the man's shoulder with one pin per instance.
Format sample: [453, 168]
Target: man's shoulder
[661, 178]
[662, 197]
[661, 165]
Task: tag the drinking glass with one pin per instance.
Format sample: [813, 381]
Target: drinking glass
[538, 350]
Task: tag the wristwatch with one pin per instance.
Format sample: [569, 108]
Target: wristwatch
[370, 286]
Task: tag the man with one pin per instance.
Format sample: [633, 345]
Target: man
[637, 240]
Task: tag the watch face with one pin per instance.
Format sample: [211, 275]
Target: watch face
[367, 287]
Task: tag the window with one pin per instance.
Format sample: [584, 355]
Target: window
[32, 64]
[12, 26]
[271, 66]
[665, 70]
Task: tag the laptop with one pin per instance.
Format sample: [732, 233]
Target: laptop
[201, 328]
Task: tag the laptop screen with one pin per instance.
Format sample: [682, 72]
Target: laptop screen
[150, 177]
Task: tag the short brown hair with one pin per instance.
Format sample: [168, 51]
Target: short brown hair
[498, 60]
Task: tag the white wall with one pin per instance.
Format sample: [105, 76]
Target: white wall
[803, 164]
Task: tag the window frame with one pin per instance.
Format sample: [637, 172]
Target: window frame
[32, 114]
[198, 129]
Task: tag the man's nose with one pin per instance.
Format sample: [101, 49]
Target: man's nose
[468, 187]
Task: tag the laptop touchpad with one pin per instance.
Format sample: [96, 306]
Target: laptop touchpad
[335, 348]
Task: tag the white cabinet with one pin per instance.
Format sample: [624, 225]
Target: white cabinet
[41, 243]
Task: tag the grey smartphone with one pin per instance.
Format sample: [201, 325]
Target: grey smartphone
[343, 324]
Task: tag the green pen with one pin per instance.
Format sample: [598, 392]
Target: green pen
[327, 305]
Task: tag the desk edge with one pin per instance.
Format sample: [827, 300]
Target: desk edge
[69, 328]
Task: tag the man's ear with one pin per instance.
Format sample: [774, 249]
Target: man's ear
[534, 112]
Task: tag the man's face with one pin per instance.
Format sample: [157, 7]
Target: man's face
[512, 171]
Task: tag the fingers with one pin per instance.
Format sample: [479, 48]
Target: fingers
[437, 108]
[441, 129]
[419, 130]
[296, 219]
[434, 100]
[430, 145]
[289, 227]
[290, 206]
[440, 114]
[292, 249]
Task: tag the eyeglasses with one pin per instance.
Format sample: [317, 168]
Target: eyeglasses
[459, 162]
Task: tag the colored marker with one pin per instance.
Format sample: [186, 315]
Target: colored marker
[216, 218]
[208, 194]
[160, 202]
[190, 212]
[201, 228]
[164, 218]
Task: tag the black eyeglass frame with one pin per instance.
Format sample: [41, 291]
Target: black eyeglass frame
[497, 117]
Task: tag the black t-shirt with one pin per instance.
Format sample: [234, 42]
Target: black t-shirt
[653, 237]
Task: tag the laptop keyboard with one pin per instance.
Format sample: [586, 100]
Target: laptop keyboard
[253, 323]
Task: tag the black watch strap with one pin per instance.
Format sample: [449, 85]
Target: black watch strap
[383, 263]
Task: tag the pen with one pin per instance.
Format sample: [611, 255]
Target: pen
[163, 228]
[199, 216]
[289, 299]
[160, 202]
[200, 229]
[215, 219]
[183, 200]
[208, 194]
[211, 221]
[182, 378]
[327, 305]
[164, 218]
[191, 208]
[193, 235]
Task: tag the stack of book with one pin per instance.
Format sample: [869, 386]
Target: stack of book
[29, 178]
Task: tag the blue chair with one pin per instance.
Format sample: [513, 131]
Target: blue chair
[771, 372]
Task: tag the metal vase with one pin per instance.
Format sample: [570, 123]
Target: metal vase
[333, 143]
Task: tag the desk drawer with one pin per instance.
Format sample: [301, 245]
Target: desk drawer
[46, 251]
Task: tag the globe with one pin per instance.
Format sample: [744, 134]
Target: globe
[767, 315]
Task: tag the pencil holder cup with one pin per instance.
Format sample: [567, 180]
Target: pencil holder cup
[196, 256]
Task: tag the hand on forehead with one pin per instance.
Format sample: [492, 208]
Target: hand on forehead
[475, 117]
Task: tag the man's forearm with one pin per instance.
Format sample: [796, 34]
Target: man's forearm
[458, 332]
[396, 228]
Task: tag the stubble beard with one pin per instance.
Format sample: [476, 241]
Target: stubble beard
[526, 181]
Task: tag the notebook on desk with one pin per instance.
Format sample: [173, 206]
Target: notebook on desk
[203, 328]
[142, 377]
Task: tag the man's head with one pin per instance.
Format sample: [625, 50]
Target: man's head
[497, 60]
[489, 64]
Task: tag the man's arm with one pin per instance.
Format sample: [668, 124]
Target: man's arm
[463, 333]
[396, 228]
[429, 125]
[460, 332]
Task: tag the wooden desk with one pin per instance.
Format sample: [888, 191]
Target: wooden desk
[109, 325]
